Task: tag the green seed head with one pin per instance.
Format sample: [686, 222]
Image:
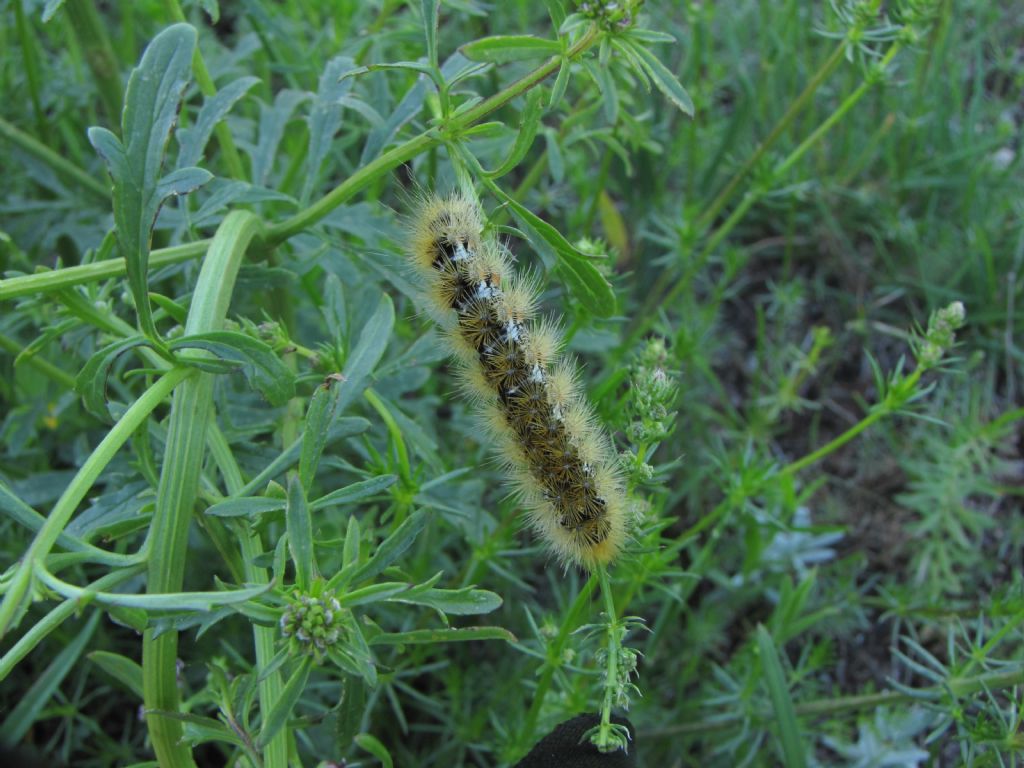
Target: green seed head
[312, 622]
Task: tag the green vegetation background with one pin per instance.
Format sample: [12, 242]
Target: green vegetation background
[828, 552]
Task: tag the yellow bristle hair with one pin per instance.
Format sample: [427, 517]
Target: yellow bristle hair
[559, 458]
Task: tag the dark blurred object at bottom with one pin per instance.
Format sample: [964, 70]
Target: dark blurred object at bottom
[23, 757]
[562, 748]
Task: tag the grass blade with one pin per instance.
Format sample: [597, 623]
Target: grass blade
[782, 703]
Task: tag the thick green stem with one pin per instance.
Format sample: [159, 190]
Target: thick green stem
[18, 595]
[47, 282]
[278, 233]
[191, 410]
[275, 754]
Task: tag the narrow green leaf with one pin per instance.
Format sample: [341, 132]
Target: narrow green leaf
[251, 507]
[412, 66]
[354, 492]
[325, 117]
[561, 83]
[177, 621]
[176, 311]
[163, 601]
[393, 546]
[382, 135]
[344, 427]
[359, 651]
[277, 717]
[121, 668]
[431, 10]
[350, 709]
[193, 140]
[374, 593]
[556, 10]
[273, 121]
[300, 534]
[528, 124]
[133, 618]
[91, 383]
[450, 635]
[199, 729]
[275, 663]
[374, 747]
[32, 701]
[373, 340]
[502, 48]
[51, 8]
[782, 703]
[587, 284]
[181, 182]
[613, 224]
[319, 417]
[350, 554]
[458, 602]
[650, 35]
[155, 90]
[662, 77]
[606, 86]
[261, 366]
[23, 514]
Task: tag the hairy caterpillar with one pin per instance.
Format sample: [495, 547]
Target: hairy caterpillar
[558, 457]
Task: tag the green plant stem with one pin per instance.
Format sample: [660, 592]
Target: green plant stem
[58, 616]
[415, 146]
[275, 754]
[838, 114]
[832, 445]
[91, 32]
[957, 687]
[54, 280]
[880, 410]
[604, 740]
[223, 133]
[554, 657]
[45, 367]
[30, 58]
[278, 233]
[62, 167]
[707, 217]
[751, 197]
[16, 599]
[404, 470]
[191, 410]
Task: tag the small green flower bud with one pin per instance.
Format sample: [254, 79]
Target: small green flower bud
[313, 622]
[941, 334]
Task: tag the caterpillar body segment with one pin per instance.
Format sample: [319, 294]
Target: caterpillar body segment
[558, 457]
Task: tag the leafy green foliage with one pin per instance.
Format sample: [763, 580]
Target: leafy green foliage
[784, 240]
